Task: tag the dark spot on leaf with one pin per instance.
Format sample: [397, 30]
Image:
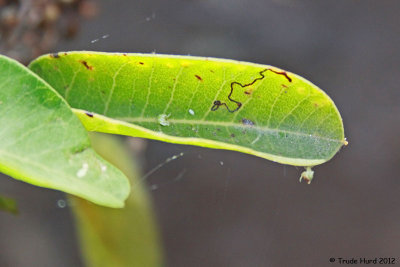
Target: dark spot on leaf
[315, 104]
[284, 85]
[247, 122]
[141, 63]
[87, 66]
[65, 53]
[198, 77]
[124, 54]
[212, 71]
[89, 114]
[232, 135]
[218, 129]
[248, 91]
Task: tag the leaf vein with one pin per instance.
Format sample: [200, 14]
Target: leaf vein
[107, 104]
[148, 90]
[294, 108]
[173, 90]
[227, 124]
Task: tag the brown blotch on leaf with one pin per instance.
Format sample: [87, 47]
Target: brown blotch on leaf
[284, 85]
[249, 91]
[124, 54]
[316, 105]
[141, 63]
[198, 77]
[89, 114]
[87, 66]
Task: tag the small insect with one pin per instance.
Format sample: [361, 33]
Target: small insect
[307, 175]
[89, 114]
[163, 119]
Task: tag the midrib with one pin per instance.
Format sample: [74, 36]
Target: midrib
[224, 124]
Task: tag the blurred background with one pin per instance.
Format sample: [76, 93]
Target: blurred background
[223, 208]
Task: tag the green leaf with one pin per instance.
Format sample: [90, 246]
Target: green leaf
[251, 108]
[8, 204]
[118, 237]
[43, 143]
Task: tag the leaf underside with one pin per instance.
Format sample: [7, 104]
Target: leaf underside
[43, 143]
[251, 108]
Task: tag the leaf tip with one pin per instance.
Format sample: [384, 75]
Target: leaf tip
[345, 142]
